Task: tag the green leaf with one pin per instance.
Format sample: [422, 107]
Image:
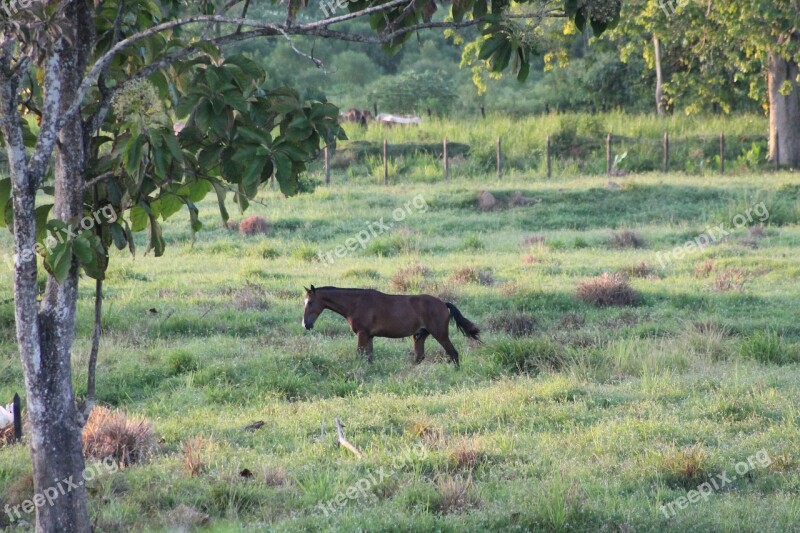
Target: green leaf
[168, 205]
[524, 71]
[118, 235]
[221, 193]
[252, 176]
[254, 136]
[208, 48]
[41, 214]
[138, 219]
[5, 197]
[59, 261]
[156, 242]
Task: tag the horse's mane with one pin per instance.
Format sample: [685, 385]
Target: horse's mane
[331, 288]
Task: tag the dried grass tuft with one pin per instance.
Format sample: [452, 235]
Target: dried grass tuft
[414, 277]
[703, 270]
[515, 323]
[626, 239]
[607, 290]
[254, 225]
[473, 275]
[456, 494]
[730, 279]
[112, 434]
[197, 453]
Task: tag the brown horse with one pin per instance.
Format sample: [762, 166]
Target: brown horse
[374, 314]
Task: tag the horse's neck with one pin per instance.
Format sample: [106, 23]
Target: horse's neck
[342, 305]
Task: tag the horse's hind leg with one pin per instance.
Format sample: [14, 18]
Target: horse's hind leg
[419, 345]
[444, 340]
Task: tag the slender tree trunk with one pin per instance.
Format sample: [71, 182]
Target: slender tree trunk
[45, 330]
[784, 111]
[660, 104]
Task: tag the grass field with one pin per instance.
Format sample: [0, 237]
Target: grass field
[676, 413]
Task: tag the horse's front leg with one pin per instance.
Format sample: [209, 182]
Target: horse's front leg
[365, 345]
[419, 345]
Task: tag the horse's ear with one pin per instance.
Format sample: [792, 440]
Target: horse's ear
[306, 289]
[313, 289]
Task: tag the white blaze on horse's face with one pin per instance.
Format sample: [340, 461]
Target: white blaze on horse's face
[308, 321]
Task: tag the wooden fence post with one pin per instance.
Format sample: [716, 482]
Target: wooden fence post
[666, 151]
[547, 157]
[499, 157]
[385, 162]
[483, 112]
[327, 166]
[17, 411]
[722, 153]
[444, 160]
[608, 154]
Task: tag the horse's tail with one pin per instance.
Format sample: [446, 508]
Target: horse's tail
[464, 326]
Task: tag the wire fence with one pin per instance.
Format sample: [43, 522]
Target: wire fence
[559, 155]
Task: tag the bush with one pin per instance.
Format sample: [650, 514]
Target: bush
[515, 323]
[413, 277]
[607, 290]
[626, 239]
[473, 275]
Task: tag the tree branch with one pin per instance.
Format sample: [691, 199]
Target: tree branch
[37, 166]
[9, 117]
[318, 29]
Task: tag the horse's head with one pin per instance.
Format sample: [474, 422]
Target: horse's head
[312, 309]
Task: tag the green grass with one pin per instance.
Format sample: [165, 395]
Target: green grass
[568, 418]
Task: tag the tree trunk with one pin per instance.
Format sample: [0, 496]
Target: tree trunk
[45, 331]
[661, 107]
[784, 109]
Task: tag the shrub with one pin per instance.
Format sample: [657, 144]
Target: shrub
[254, 225]
[528, 356]
[473, 275]
[639, 270]
[515, 323]
[250, 297]
[112, 434]
[182, 361]
[626, 239]
[769, 347]
[730, 279]
[456, 494]
[534, 240]
[472, 243]
[703, 270]
[412, 277]
[607, 290]
[684, 468]
[197, 453]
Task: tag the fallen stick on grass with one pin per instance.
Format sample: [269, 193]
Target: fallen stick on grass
[343, 442]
